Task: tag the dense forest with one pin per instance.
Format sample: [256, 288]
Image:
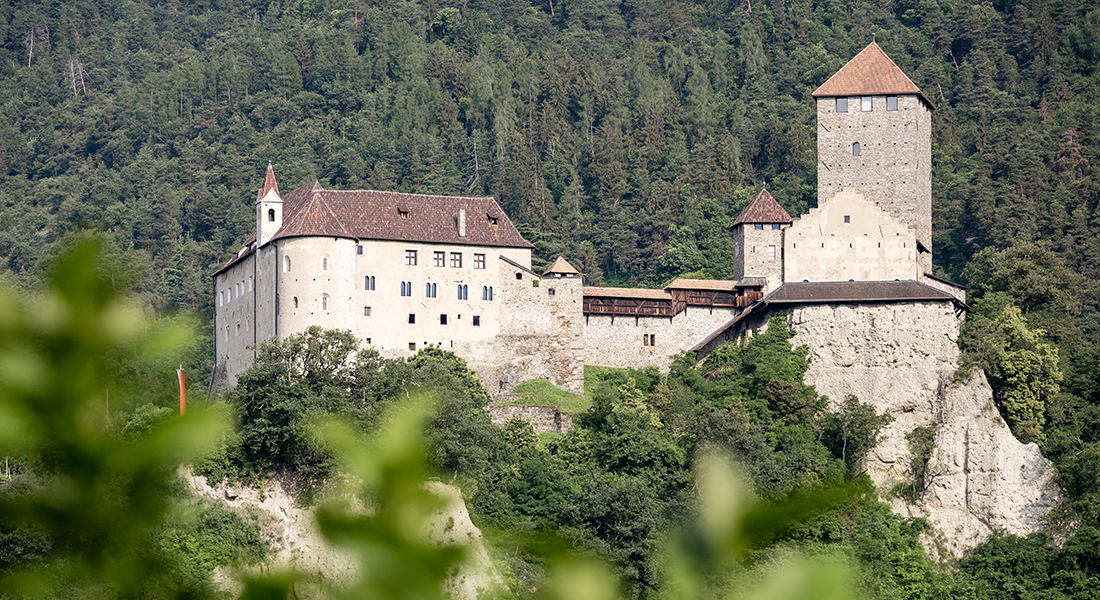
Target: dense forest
[625, 135]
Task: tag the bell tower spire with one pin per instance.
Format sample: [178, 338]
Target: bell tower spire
[269, 208]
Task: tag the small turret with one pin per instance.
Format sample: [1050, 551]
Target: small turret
[269, 208]
[758, 240]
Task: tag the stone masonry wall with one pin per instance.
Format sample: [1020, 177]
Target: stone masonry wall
[894, 167]
[617, 341]
[545, 419]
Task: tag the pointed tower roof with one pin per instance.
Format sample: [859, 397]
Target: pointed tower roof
[763, 209]
[561, 267]
[870, 73]
[269, 183]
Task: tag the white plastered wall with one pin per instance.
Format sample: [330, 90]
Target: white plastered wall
[870, 246]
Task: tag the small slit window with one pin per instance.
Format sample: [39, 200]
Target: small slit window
[286, 264]
[324, 301]
[359, 250]
[855, 149]
[295, 302]
[324, 264]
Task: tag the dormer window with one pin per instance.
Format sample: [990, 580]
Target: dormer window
[492, 220]
[865, 103]
[271, 214]
[891, 103]
[404, 214]
[841, 105]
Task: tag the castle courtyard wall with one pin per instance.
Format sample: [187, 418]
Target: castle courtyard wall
[617, 341]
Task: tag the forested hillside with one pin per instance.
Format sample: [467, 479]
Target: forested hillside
[624, 134]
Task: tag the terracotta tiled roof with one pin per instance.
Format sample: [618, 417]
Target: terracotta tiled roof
[269, 183]
[855, 291]
[763, 209]
[373, 215]
[561, 266]
[702, 284]
[869, 73]
[609, 292]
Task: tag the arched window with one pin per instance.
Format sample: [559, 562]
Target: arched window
[286, 264]
[430, 290]
[324, 301]
[271, 214]
[855, 149]
[368, 283]
[295, 302]
[486, 293]
[463, 292]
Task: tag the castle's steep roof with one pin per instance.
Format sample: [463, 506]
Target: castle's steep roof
[269, 184]
[763, 209]
[561, 267]
[392, 216]
[869, 73]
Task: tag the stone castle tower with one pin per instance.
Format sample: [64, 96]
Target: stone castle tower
[758, 240]
[874, 137]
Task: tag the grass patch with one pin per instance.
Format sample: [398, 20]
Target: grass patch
[545, 437]
[540, 392]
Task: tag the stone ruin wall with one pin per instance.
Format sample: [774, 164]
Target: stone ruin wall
[902, 358]
[544, 419]
[617, 341]
[541, 334]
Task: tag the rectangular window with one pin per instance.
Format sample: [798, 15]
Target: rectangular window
[847, 218]
[477, 321]
[865, 103]
[438, 259]
[891, 103]
[412, 346]
[359, 250]
[410, 257]
[250, 283]
[412, 318]
[757, 225]
[456, 260]
[442, 319]
[775, 225]
[479, 261]
[366, 311]
[649, 339]
[771, 252]
[367, 341]
[841, 105]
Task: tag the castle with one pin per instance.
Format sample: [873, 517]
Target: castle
[852, 277]
[403, 271]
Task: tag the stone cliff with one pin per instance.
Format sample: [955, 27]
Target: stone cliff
[902, 358]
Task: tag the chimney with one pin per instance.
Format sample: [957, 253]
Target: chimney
[462, 222]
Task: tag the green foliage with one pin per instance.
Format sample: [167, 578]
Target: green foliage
[1023, 368]
[540, 392]
[85, 519]
[853, 430]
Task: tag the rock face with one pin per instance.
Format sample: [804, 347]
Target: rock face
[902, 358]
[297, 543]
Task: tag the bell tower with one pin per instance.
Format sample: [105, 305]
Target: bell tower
[269, 209]
[874, 137]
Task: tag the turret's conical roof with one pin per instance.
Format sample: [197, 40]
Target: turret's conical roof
[269, 183]
[763, 209]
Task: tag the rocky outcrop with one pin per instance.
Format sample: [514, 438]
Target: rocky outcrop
[903, 358]
[297, 543]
